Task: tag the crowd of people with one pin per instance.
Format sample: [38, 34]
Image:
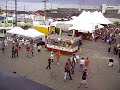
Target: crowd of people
[111, 35]
[108, 35]
[19, 42]
[69, 68]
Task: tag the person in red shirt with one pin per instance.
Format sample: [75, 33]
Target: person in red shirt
[87, 62]
[16, 50]
[28, 50]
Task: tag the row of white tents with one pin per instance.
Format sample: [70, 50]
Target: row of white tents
[86, 21]
[32, 33]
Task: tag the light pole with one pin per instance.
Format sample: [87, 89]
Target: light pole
[81, 4]
[45, 1]
[15, 12]
[24, 13]
[6, 8]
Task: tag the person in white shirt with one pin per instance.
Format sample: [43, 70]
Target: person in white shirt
[73, 58]
[77, 58]
[52, 56]
[6, 42]
[82, 64]
[110, 64]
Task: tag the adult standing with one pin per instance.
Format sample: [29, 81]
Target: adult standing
[6, 42]
[13, 51]
[58, 54]
[3, 47]
[84, 77]
[69, 69]
[73, 66]
[77, 58]
[49, 64]
[65, 71]
[32, 50]
[28, 50]
[87, 62]
[16, 50]
[82, 64]
[39, 48]
[52, 56]
[109, 48]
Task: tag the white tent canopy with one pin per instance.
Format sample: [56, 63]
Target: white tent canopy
[86, 27]
[27, 33]
[86, 21]
[16, 30]
[35, 34]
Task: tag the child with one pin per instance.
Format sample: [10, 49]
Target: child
[110, 64]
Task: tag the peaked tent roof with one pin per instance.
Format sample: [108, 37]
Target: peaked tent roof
[86, 28]
[28, 33]
[16, 30]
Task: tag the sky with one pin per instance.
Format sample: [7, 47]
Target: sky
[32, 5]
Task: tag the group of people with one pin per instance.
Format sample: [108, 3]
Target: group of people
[111, 35]
[108, 35]
[52, 58]
[20, 43]
[70, 65]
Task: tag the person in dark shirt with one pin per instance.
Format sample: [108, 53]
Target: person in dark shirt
[13, 51]
[84, 77]
[49, 63]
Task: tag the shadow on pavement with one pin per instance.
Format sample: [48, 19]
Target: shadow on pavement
[12, 81]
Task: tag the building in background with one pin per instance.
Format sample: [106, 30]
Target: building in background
[110, 9]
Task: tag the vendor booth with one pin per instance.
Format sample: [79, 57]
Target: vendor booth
[65, 44]
[45, 29]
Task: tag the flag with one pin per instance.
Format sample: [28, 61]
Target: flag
[6, 19]
[73, 33]
[60, 31]
[12, 20]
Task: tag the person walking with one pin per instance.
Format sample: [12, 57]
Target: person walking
[87, 62]
[3, 49]
[82, 64]
[32, 51]
[77, 58]
[109, 48]
[58, 54]
[13, 51]
[39, 48]
[84, 77]
[28, 50]
[65, 71]
[16, 50]
[52, 56]
[69, 69]
[49, 64]
[73, 66]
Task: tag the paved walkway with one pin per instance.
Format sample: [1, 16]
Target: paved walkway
[11, 81]
[101, 77]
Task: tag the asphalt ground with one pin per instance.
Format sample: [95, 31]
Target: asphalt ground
[101, 77]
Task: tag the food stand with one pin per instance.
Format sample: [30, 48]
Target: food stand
[66, 44]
